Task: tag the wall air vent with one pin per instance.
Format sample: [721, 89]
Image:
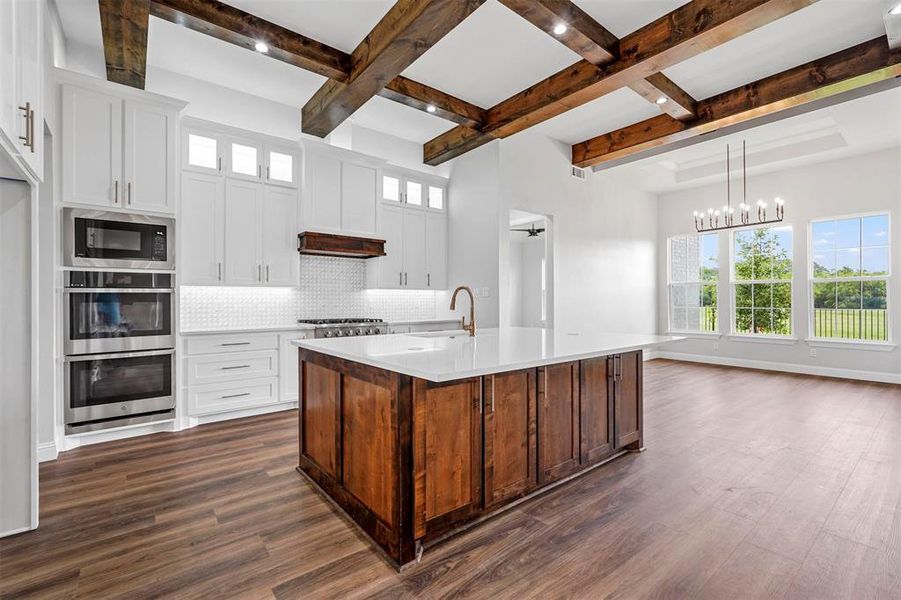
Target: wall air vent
[579, 173]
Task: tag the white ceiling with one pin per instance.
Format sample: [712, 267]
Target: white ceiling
[489, 57]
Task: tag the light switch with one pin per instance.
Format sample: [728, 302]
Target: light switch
[486, 292]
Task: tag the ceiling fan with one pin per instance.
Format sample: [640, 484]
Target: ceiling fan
[532, 231]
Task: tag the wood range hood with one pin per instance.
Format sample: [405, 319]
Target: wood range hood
[346, 246]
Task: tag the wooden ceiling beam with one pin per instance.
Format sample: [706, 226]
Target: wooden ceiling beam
[407, 30]
[229, 24]
[677, 36]
[235, 26]
[420, 96]
[124, 25]
[804, 87]
[590, 40]
[584, 36]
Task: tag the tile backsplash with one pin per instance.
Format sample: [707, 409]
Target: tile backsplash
[329, 287]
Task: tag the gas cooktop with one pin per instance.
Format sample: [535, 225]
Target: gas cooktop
[326, 328]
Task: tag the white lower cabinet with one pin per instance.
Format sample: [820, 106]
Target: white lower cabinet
[237, 372]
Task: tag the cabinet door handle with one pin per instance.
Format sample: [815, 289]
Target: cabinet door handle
[405, 279]
[260, 273]
[235, 367]
[401, 280]
[259, 171]
[115, 191]
[428, 279]
[234, 395]
[235, 344]
[26, 139]
[128, 186]
[220, 271]
[219, 164]
[267, 172]
[267, 273]
[618, 367]
[492, 394]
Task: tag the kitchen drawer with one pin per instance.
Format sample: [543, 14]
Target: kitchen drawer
[235, 395]
[232, 366]
[231, 342]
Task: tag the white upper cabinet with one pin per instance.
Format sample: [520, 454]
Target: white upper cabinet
[281, 165]
[9, 112]
[91, 147]
[415, 249]
[389, 269]
[149, 157]
[358, 198]
[244, 159]
[201, 151]
[323, 200]
[251, 230]
[341, 192]
[243, 265]
[200, 229]
[118, 147]
[413, 223]
[436, 253]
[278, 236]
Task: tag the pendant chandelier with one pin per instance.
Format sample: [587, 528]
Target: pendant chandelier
[710, 220]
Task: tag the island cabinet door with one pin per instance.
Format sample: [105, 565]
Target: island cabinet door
[558, 421]
[628, 395]
[511, 462]
[596, 389]
[447, 454]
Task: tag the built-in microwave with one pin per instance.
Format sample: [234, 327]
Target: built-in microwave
[118, 312]
[93, 238]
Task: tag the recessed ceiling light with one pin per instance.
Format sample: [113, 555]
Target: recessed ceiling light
[895, 11]
[261, 47]
[430, 108]
[559, 29]
[662, 100]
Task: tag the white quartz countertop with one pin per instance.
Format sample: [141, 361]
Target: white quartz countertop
[445, 356]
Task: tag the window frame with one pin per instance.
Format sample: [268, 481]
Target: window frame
[733, 282]
[811, 280]
[700, 283]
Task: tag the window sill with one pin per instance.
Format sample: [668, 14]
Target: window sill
[851, 344]
[701, 335]
[763, 339]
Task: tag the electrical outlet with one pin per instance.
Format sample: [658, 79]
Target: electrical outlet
[486, 292]
[716, 345]
[813, 352]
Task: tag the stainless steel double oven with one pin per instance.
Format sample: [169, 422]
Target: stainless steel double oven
[119, 340]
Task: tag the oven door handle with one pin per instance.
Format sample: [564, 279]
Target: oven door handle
[80, 290]
[87, 357]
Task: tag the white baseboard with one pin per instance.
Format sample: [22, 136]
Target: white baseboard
[651, 354]
[239, 414]
[784, 367]
[47, 451]
[15, 531]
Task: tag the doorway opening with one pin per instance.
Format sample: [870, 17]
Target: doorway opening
[530, 270]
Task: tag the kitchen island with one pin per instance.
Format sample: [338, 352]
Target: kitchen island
[415, 436]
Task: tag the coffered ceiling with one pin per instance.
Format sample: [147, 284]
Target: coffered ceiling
[490, 56]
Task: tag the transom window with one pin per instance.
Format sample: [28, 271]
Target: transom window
[849, 277]
[762, 281]
[693, 275]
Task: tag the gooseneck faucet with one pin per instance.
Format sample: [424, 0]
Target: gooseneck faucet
[471, 328]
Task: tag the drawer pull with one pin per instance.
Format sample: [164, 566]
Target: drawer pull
[236, 367]
[235, 395]
[236, 344]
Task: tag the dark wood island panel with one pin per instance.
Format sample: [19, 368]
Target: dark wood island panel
[411, 461]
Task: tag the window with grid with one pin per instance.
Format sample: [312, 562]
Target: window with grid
[693, 274]
[849, 278]
[762, 281]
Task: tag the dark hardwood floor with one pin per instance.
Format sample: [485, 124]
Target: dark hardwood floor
[754, 485]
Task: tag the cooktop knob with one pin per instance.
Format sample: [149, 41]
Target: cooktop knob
[339, 333]
[327, 334]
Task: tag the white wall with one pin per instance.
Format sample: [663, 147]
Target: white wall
[602, 247]
[865, 183]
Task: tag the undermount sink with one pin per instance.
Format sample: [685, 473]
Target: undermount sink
[440, 334]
